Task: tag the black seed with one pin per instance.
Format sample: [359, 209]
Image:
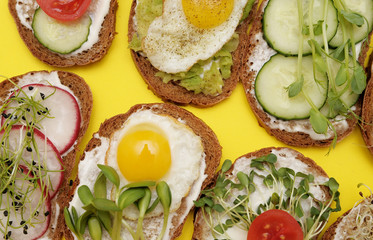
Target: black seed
[25, 227]
[22, 222]
[36, 213]
[5, 213]
[15, 117]
[25, 231]
[28, 109]
[30, 88]
[28, 134]
[71, 182]
[5, 115]
[23, 118]
[42, 96]
[46, 213]
[18, 197]
[29, 149]
[10, 223]
[33, 163]
[38, 112]
[5, 191]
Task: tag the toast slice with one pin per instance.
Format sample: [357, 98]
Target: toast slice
[98, 148]
[261, 196]
[171, 91]
[292, 132]
[83, 94]
[367, 116]
[96, 52]
[353, 224]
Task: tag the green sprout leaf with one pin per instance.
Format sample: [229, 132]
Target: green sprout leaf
[359, 80]
[85, 195]
[110, 174]
[94, 228]
[140, 184]
[296, 87]
[353, 18]
[318, 121]
[341, 77]
[226, 166]
[99, 188]
[105, 204]
[130, 196]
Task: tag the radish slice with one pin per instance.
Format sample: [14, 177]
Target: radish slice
[63, 126]
[49, 157]
[25, 217]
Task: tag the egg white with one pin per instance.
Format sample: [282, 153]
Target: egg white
[173, 44]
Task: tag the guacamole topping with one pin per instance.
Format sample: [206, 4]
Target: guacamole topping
[206, 76]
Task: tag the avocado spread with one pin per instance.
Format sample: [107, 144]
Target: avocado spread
[205, 76]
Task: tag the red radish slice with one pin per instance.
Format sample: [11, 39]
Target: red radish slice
[63, 128]
[26, 218]
[49, 159]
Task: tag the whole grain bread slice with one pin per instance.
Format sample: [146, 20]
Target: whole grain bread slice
[94, 54]
[171, 91]
[367, 116]
[257, 53]
[83, 94]
[211, 145]
[345, 227]
[201, 229]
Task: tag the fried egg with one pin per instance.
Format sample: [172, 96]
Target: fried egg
[149, 146]
[189, 31]
[156, 147]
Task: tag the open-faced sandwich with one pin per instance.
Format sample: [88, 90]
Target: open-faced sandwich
[273, 193]
[44, 116]
[66, 33]
[304, 70]
[188, 52]
[356, 223]
[140, 173]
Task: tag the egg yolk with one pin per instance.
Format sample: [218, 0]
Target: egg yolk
[207, 13]
[144, 154]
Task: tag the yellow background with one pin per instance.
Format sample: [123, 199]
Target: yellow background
[116, 86]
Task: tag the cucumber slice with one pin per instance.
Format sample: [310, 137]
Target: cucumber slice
[364, 8]
[349, 98]
[281, 24]
[275, 77]
[60, 37]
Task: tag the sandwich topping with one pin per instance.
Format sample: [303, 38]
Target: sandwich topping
[311, 29]
[31, 165]
[195, 56]
[61, 37]
[258, 185]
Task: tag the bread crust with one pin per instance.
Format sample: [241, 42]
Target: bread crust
[295, 138]
[367, 116]
[84, 95]
[331, 232]
[210, 142]
[94, 54]
[200, 229]
[172, 92]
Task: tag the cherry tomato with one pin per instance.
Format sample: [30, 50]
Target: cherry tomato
[275, 224]
[64, 10]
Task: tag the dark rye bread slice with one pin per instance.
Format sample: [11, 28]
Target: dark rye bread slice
[94, 54]
[171, 91]
[256, 49]
[367, 116]
[210, 142]
[346, 224]
[202, 230]
[84, 95]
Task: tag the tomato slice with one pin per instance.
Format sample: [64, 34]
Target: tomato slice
[64, 10]
[275, 224]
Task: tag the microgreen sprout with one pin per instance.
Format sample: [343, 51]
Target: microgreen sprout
[22, 179]
[228, 203]
[350, 76]
[107, 210]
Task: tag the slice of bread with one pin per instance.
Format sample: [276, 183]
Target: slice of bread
[95, 53]
[98, 147]
[286, 157]
[83, 94]
[350, 225]
[367, 116]
[173, 92]
[259, 52]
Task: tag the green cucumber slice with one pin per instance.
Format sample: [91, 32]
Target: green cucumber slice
[364, 8]
[349, 98]
[60, 37]
[281, 24]
[276, 76]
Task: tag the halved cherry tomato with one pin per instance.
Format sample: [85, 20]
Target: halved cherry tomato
[275, 224]
[64, 10]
